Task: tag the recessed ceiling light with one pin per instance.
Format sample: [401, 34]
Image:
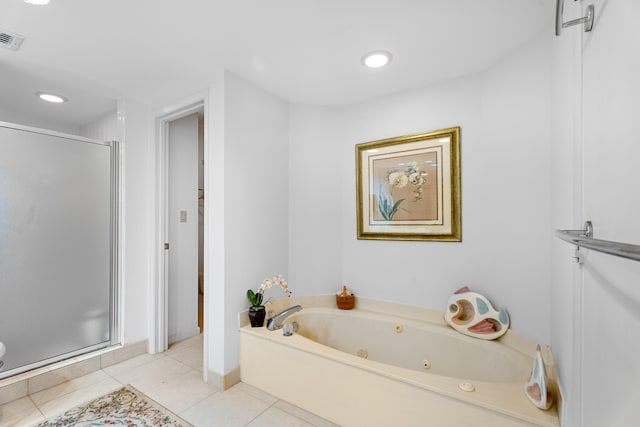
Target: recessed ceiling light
[37, 2]
[50, 97]
[376, 59]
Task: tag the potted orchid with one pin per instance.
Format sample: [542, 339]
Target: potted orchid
[257, 311]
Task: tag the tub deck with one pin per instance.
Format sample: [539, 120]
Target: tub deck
[352, 391]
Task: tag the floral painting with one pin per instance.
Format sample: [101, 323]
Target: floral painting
[406, 188]
[409, 187]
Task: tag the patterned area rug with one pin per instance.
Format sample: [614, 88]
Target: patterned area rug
[124, 407]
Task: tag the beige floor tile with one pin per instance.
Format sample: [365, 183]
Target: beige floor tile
[20, 412]
[230, 408]
[173, 379]
[72, 369]
[274, 417]
[13, 391]
[305, 415]
[129, 364]
[152, 374]
[44, 396]
[257, 393]
[181, 392]
[190, 355]
[63, 403]
[189, 342]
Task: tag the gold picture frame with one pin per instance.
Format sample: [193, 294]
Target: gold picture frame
[408, 187]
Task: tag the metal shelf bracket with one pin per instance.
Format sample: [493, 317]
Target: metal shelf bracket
[587, 20]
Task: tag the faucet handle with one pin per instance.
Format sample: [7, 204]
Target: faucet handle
[289, 328]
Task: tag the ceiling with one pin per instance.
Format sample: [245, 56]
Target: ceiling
[305, 51]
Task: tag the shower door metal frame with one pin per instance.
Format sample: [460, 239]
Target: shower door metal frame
[115, 331]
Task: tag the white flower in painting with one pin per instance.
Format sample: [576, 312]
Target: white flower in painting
[416, 178]
[398, 179]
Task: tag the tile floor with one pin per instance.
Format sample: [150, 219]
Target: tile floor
[174, 379]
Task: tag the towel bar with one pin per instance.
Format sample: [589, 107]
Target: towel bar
[584, 239]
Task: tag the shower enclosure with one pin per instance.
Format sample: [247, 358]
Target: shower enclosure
[58, 230]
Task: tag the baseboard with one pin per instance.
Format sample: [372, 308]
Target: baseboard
[224, 382]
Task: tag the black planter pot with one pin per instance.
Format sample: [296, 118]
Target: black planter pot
[256, 316]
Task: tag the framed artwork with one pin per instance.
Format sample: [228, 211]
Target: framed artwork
[408, 187]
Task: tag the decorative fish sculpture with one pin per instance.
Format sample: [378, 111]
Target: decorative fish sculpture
[472, 314]
[536, 387]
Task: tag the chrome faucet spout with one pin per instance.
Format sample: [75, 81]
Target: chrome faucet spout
[277, 321]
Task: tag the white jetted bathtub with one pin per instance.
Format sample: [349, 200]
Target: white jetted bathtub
[385, 364]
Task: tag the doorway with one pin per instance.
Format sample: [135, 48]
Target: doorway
[189, 294]
[185, 223]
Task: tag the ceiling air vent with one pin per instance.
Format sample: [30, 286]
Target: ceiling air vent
[10, 40]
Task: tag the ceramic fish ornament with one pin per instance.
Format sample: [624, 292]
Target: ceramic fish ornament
[536, 387]
[472, 314]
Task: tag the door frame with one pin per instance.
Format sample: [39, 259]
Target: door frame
[158, 334]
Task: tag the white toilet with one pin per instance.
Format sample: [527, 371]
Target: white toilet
[3, 349]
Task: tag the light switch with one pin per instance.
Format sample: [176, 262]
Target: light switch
[183, 216]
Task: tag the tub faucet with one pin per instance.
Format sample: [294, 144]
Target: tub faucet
[277, 321]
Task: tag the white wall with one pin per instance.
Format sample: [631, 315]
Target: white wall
[513, 187]
[104, 128]
[30, 120]
[505, 200]
[138, 208]
[601, 389]
[247, 205]
[316, 200]
[566, 202]
[183, 235]
[136, 238]
[214, 231]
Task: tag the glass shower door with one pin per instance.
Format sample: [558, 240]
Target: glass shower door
[57, 240]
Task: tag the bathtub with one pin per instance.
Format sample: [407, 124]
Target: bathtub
[385, 364]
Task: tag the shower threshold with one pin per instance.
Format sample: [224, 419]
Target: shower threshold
[53, 360]
[40, 378]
